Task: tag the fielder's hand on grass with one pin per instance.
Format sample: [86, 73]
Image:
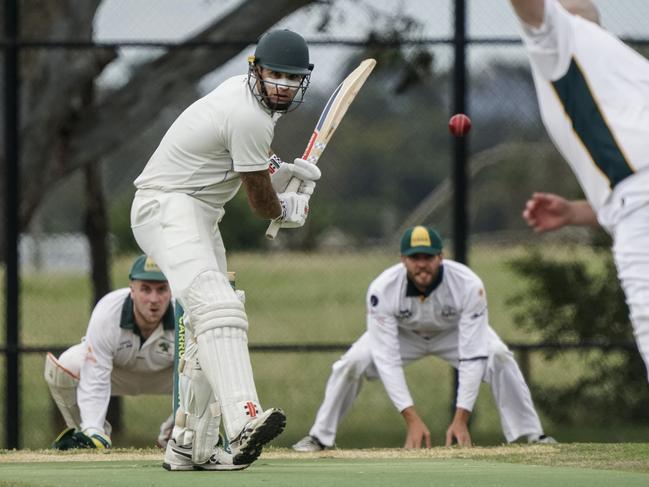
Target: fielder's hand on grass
[459, 429]
[418, 434]
[281, 173]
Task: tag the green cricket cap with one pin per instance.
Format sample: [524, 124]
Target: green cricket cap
[145, 269]
[421, 240]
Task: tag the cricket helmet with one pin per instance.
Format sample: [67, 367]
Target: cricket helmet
[282, 51]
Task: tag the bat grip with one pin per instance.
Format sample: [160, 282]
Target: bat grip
[292, 187]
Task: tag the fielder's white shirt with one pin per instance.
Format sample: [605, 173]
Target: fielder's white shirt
[113, 341]
[220, 135]
[458, 301]
[593, 93]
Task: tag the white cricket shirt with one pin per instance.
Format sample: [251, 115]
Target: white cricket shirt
[113, 341]
[457, 301]
[593, 93]
[220, 135]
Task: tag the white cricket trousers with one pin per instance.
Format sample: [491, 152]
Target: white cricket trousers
[631, 253]
[180, 233]
[512, 396]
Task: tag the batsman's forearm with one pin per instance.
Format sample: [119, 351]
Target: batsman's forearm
[261, 195]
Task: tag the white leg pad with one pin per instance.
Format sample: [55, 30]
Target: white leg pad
[212, 303]
[63, 387]
[203, 418]
[219, 323]
[223, 354]
[199, 416]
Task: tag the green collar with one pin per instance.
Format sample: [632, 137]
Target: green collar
[127, 320]
[412, 291]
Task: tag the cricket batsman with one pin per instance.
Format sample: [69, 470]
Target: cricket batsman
[218, 144]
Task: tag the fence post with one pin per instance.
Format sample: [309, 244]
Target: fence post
[460, 183]
[12, 226]
[460, 219]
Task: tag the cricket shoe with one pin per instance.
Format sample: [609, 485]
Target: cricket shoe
[541, 440]
[309, 444]
[247, 446]
[179, 458]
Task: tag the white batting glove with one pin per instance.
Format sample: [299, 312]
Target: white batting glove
[295, 209]
[281, 173]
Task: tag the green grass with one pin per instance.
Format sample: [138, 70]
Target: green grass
[562, 465]
[294, 298]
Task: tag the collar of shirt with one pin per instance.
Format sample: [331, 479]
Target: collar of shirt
[412, 291]
[127, 320]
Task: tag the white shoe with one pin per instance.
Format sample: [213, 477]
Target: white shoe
[246, 447]
[179, 458]
[541, 440]
[308, 444]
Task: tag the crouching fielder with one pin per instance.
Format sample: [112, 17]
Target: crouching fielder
[424, 306]
[128, 350]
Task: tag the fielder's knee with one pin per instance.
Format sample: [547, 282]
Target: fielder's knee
[350, 366]
[212, 303]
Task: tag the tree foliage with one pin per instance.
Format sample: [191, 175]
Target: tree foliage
[573, 298]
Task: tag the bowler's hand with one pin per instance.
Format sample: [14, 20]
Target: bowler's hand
[544, 212]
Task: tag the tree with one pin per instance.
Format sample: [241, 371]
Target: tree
[575, 297]
[60, 133]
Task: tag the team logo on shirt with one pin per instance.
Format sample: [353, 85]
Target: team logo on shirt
[477, 315]
[448, 311]
[164, 346]
[404, 314]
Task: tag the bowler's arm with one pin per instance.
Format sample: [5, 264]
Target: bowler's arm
[530, 11]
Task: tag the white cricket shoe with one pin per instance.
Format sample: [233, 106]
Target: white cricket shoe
[308, 444]
[247, 446]
[541, 440]
[179, 458]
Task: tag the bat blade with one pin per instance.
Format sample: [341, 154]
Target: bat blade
[331, 116]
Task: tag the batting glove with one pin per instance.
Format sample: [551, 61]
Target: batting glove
[295, 209]
[281, 173]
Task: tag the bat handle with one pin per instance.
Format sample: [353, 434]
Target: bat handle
[271, 232]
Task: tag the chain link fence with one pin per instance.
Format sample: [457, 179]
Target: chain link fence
[388, 166]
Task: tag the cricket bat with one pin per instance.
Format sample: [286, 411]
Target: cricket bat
[330, 118]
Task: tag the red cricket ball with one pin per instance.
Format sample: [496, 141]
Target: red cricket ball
[459, 125]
